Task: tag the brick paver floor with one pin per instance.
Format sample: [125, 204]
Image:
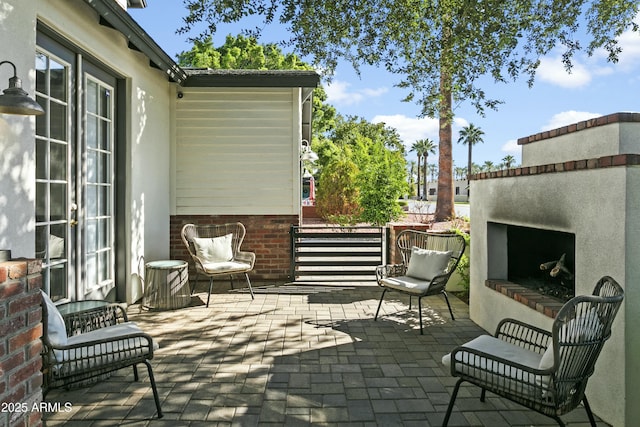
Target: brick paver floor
[296, 355]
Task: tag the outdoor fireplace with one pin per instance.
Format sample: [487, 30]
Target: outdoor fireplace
[537, 259]
[576, 194]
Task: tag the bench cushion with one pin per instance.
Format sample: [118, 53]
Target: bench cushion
[406, 284]
[94, 354]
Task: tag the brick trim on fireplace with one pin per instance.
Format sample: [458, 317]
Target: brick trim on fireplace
[532, 299]
[570, 166]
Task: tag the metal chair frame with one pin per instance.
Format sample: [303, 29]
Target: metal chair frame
[405, 241]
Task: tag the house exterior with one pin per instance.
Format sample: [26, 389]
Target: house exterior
[132, 147]
[459, 190]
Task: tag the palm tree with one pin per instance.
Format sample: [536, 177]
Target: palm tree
[412, 171]
[470, 135]
[488, 166]
[417, 148]
[429, 147]
[508, 161]
[423, 147]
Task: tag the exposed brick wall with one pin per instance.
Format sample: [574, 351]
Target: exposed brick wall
[20, 345]
[267, 235]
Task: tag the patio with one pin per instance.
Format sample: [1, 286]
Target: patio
[296, 355]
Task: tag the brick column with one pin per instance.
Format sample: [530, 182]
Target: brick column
[20, 345]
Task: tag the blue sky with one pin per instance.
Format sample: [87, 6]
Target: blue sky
[594, 88]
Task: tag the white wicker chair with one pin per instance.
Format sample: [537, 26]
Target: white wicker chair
[223, 255]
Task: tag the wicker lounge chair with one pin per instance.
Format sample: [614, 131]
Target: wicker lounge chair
[428, 260]
[215, 250]
[546, 372]
[91, 343]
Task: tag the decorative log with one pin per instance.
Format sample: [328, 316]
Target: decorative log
[557, 268]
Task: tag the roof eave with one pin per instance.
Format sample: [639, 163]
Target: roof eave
[253, 78]
[116, 17]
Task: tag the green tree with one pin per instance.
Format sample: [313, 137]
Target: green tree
[488, 166]
[508, 161]
[337, 197]
[440, 48]
[376, 179]
[412, 173]
[470, 135]
[418, 149]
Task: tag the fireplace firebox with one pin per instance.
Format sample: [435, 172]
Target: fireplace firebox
[543, 260]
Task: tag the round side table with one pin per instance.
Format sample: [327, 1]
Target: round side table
[166, 285]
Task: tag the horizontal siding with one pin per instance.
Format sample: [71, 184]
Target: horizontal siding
[235, 152]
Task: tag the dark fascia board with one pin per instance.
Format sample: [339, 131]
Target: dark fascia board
[137, 4]
[251, 78]
[116, 17]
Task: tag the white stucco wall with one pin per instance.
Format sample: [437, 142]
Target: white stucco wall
[148, 129]
[600, 206]
[605, 140]
[17, 133]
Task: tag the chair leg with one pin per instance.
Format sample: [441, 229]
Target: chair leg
[154, 388]
[445, 422]
[210, 287]
[249, 283]
[384, 291]
[231, 280]
[193, 288]
[587, 408]
[135, 373]
[446, 298]
[420, 314]
[483, 394]
[410, 298]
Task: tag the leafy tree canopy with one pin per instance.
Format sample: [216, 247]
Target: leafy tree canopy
[362, 172]
[440, 48]
[498, 38]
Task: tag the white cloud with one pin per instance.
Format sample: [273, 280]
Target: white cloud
[552, 71]
[568, 117]
[630, 44]
[512, 147]
[339, 93]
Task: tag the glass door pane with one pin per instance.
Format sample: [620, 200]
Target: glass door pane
[54, 187]
[98, 187]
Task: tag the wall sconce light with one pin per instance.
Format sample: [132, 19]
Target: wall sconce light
[15, 100]
[307, 154]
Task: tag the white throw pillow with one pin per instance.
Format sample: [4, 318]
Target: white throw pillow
[56, 331]
[546, 362]
[426, 264]
[215, 249]
[589, 326]
[56, 246]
